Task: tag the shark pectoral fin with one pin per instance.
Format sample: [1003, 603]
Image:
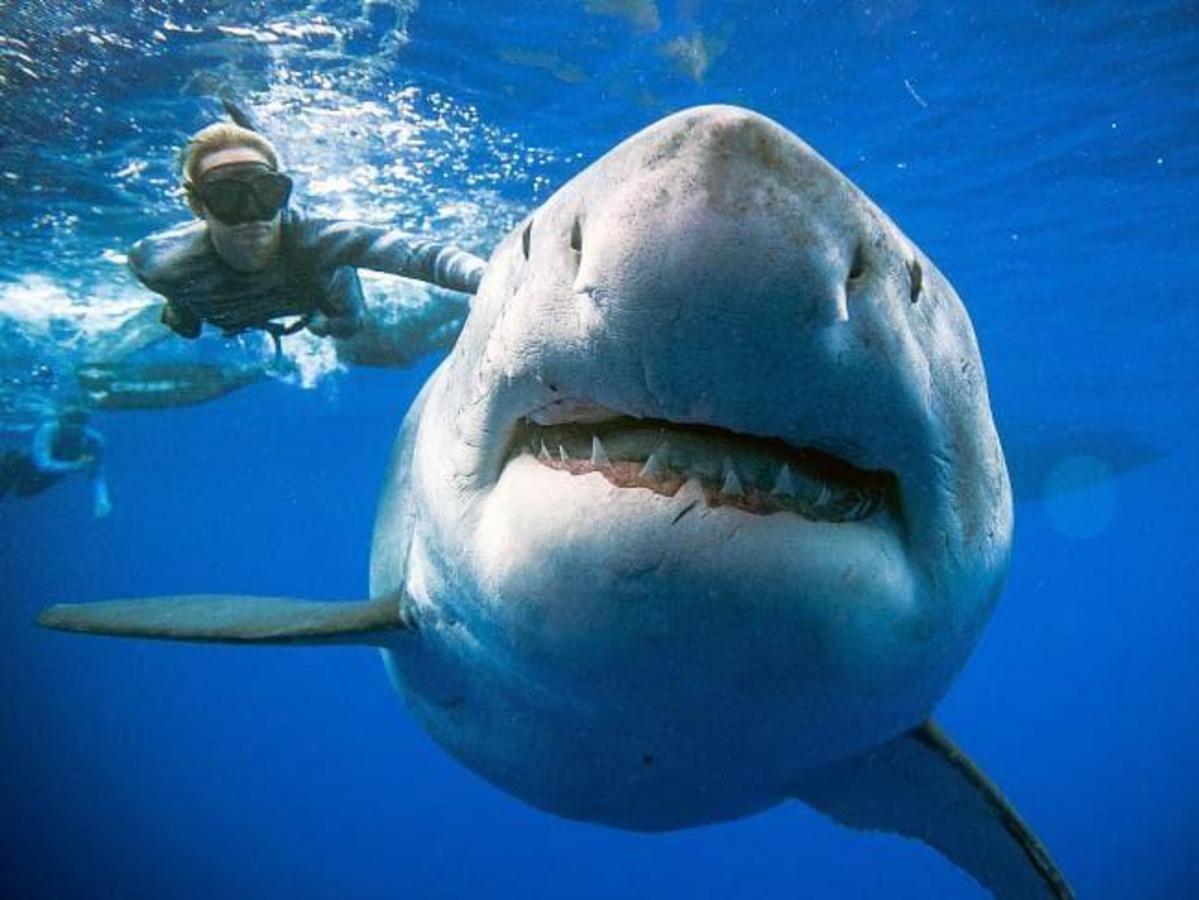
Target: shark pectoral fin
[923, 786]
[232, 619]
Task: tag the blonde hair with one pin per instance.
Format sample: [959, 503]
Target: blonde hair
[221, 136]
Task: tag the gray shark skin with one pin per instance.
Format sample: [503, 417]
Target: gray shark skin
[704, 511]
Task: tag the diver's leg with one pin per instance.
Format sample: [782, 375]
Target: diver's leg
[101, 505]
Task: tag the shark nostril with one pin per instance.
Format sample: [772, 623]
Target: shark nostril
[916, 277]
[857, 268]
[526, 239]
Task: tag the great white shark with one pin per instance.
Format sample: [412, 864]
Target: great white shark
[703, 512]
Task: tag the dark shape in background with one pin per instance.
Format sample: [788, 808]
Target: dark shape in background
[1035, 452]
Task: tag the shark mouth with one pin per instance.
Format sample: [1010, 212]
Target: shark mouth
[757, 475]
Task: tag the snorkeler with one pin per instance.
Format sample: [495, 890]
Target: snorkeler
[252, 259]
[60, 446]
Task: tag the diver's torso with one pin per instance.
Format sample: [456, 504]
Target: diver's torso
[183, 265]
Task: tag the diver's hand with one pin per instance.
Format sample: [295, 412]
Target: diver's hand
[319, 324]
[475, 277]
[323, 325]
[180, 322]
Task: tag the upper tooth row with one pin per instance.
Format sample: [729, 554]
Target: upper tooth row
[784, 483]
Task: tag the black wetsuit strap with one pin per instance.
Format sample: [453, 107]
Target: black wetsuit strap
[273, 328]
[284, 330]
[277, 330]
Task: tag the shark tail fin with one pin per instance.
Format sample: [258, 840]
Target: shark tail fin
[233, 619]
[922, 786]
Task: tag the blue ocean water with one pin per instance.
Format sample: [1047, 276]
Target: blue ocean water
[1044, 154]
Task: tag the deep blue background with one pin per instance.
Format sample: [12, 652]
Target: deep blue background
[1046, 157]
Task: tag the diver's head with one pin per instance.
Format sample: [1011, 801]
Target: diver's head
[232, 181]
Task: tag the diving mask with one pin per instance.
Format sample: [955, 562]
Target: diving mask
[243, 192]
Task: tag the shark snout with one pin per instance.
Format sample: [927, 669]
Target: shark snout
[731, 216]
[720, 275]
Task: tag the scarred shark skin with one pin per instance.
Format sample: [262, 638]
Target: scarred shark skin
[583, 646]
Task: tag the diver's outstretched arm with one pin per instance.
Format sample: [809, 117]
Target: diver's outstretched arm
[387, 250]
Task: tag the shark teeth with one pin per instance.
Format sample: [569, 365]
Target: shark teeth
[732, 484]
[784, 484]
[760, 476]
[599, 458]
[655, 466]
[823, 494]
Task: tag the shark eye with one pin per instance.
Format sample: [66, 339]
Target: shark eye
[916, 274]
[576, 237]
[526, 238]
